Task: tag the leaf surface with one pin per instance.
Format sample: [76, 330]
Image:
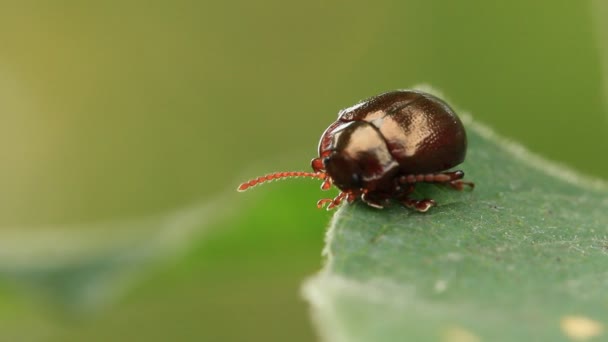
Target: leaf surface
[522, 257]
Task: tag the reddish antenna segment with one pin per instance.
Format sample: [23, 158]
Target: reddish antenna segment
[280, 175]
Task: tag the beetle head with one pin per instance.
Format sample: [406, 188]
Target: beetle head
[345, 172]
[357, 158]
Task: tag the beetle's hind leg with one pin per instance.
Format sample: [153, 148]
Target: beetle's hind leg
[405, 186]
[456, 181]
[451, 178]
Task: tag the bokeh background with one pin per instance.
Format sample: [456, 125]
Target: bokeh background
[126, 126]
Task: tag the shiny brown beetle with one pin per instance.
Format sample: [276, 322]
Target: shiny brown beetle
[379, 149]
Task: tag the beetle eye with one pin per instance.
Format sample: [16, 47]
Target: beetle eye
[356, 179]
[326, 161]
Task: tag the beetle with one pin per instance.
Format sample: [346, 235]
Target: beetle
[380, 148]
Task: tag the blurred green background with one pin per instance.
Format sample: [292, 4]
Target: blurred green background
[118, 117]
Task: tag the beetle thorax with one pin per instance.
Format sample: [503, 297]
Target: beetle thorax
[359, 157]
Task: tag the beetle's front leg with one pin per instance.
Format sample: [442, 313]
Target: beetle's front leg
[332, 202]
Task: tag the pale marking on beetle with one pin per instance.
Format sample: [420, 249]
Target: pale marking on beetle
[363, 137]
[377, 116]
[378, 122]
[368, 136]
[417, 134]
[580, 328]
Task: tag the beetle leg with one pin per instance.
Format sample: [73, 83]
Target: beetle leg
[337, 200]
[332, 202]
[456, 181]
[321, 203]
[351, 197]
[451, 178]
[326, 184]
[372, 202]
[459, 184]
[421, 206]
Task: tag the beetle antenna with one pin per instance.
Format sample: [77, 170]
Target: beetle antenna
[280, 175]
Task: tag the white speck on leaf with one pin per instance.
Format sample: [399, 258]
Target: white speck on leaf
[581, 328]
[459, 334]
[441, 286]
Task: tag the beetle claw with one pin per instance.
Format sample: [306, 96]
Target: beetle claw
[460, 184]
[326, 184]
[321, 203]
[421, 206]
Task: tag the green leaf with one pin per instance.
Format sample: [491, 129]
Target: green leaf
[522, 257]
[83, 267]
